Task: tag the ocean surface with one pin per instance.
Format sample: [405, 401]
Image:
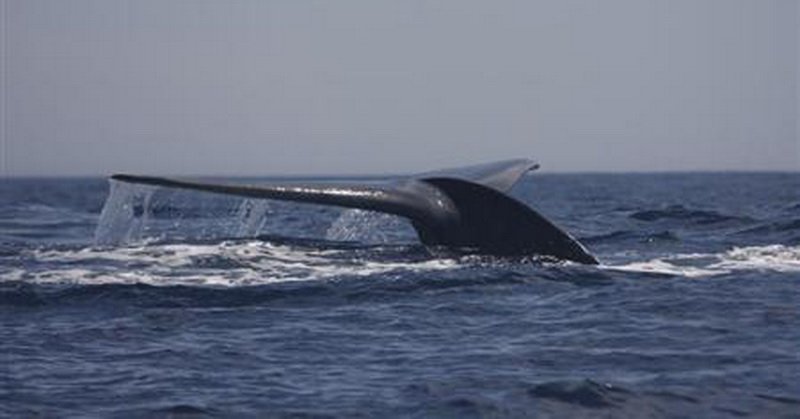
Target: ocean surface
[129, 301]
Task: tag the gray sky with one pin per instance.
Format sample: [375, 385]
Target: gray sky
[291, 86]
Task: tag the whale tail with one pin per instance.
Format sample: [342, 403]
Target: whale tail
[466, 208]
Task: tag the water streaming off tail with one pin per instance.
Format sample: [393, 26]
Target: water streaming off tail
[135, 213]
[369, 227]
[252, 215]
[124, 214]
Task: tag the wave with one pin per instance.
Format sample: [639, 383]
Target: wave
[773, 227]
[770, 258]
[42, 225]
[589, 395]
[585, 393]
[249, 273]
[631, 236]
[793, 207]
[681, 213]
[43, 216]
[229, 263]
[235, 263]
[590, 398]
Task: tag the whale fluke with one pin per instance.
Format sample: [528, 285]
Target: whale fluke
[467, 209]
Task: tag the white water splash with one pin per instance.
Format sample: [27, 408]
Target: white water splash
[774, 258]
[367, 227]
[239, 263]
[223, 264]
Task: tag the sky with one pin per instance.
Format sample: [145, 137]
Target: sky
[286, 87]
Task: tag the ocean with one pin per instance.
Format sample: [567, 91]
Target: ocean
[132, 301]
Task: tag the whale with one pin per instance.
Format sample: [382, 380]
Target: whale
[467, 209]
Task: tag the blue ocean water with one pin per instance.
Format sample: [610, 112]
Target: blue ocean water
[185, 304]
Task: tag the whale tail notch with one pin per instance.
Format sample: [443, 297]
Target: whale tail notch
[464, 208]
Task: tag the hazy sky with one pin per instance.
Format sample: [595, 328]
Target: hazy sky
[294, 86]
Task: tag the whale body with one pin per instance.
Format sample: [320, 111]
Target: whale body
[467, 209]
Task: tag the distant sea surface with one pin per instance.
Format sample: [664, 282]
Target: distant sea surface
[167, 303]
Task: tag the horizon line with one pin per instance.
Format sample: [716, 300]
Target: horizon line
[7, 176]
